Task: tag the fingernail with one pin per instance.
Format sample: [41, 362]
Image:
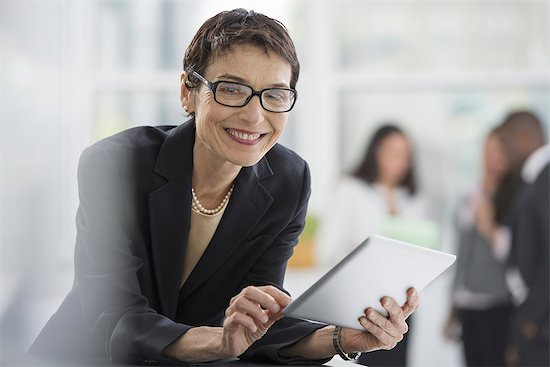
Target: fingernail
[275, 308]
[369, 313]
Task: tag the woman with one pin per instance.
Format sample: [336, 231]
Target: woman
[481, 298]
[380, 196]
[380, 189]
[184, 232]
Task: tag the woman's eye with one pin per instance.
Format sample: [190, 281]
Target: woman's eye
[278, 96]
[231, 89]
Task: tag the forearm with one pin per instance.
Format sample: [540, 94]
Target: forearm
[199, 344]
[317, 345]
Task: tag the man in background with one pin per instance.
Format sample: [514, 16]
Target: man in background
[524, 137]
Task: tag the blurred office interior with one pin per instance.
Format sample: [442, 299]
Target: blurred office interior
[72, 72]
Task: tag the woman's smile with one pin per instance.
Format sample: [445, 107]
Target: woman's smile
[244, 137]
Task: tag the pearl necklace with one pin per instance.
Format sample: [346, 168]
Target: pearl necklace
[197, 206]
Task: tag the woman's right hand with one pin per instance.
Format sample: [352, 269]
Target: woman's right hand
[485, 219]
[249, 315]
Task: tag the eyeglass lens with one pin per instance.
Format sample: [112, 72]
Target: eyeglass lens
[233, 94]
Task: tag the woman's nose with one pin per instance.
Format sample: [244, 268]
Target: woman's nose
[253, 112]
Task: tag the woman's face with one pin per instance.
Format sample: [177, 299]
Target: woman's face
[239, 135]
[393, 158]
[495, 157]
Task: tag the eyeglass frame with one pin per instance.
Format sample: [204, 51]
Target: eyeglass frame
[214, 85]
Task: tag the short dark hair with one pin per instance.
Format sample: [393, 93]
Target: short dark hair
[524, 121]
[515, 124]
[368, 169]
[221, 33]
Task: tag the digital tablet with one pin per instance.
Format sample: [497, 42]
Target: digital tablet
[378, 267]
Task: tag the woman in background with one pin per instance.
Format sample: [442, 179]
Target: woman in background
[481, 299]
[380, 190]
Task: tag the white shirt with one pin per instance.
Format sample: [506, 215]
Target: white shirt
[535, 163]
[357, 210]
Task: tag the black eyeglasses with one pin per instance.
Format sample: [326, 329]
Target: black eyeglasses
[233, 94]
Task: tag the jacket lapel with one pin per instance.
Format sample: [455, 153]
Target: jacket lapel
[170, 217]
[169, 213]
[248, 204]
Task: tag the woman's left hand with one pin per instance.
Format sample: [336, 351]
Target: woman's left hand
[382, 332]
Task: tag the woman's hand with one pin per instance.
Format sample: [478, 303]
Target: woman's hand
[485, 220]
[382, 332]
[249, 315]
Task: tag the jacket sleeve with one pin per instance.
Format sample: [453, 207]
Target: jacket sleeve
[270, 269]
[114, 309]
[531, 240]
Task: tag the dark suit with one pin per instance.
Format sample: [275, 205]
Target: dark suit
[530, 254]
[132, 226]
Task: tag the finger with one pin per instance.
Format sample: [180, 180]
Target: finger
[258, 296]
[395, 311]
[281, 297]
[385, 340]
[413, 301]
[240, 319]
[382, 322]
[244, 305]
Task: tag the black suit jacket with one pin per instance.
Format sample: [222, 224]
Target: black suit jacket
[530, 252]
[132, 226]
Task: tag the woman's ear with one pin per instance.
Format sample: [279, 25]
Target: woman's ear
[186, 95]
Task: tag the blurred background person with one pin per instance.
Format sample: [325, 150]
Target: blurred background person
[481, 302]
[381, 189]
[529, 154]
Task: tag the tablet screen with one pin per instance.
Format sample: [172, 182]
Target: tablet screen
[378, 267]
